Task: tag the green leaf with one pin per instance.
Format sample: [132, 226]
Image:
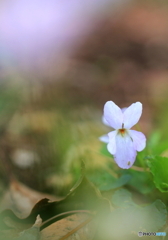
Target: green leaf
[105, 181]
[101, 178]
[32, 233]
[140, 218]
[159, 168]
[141, 181]
[116, 183]
[122, 197]
[83, 196]
[130, 217]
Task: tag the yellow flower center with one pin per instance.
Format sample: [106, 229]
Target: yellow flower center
[122, 131]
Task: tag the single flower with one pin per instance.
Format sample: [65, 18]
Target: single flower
[123, 143]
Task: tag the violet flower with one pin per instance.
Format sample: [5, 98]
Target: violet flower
[123, 143]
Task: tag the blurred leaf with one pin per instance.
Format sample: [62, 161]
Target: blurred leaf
[32, 233]
[154, 139]
[116, 183]
[21, 198]
[105, 181]
[101, 178]
[122, 197]
[146, 216]
[130, 217]
[84, 196]
[160, 147]
[155, 145]
[140, 218]
[141, 181]
[159, 168]
[78, 226]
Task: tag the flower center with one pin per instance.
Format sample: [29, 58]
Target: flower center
[122, 131]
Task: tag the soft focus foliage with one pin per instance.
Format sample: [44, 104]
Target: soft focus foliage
[159, 168]
[60, 62]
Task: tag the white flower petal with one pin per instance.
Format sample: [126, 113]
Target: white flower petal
[125, 152]
[104, 138]
[132, 115]
[105, 122]
[113, 115]
[139, 140]
[123, 109]
[112, 142]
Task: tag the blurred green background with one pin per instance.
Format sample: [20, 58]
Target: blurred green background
[51, 105]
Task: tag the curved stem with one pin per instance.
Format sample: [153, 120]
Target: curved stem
[62, 215]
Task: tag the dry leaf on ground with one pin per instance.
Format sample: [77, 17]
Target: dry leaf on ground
[63, 228]
[21, 199]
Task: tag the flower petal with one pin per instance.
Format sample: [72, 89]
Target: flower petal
[104, 138]
[123, 109]
[113, 115]
[139, 140]
[112, 142]
[132, 115]
[105, 122]
[125, 152]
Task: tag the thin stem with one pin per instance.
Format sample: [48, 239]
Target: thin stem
[59, 216]
[140, 169]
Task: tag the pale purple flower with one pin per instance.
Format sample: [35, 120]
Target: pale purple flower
[123, 143]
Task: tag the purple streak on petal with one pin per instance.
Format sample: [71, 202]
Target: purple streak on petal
[113, 115]
[125, 152]
[112, 142]
[139, 140]
[104, 138]
[132, 115]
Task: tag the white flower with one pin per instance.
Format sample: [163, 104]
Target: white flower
[123, 143]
